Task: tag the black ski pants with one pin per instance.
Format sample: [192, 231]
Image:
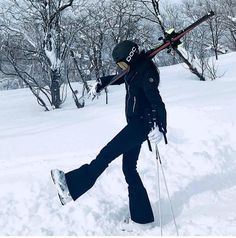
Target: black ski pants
[127, 142]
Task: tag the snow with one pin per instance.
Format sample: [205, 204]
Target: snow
[199, 161]
[232, 18]
[51, 54]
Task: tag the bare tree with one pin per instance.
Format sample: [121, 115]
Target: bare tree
[173, 13]
[47, 33]
[51, 12]
[228, 17]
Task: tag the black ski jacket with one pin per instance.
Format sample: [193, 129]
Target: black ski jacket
[143, 99]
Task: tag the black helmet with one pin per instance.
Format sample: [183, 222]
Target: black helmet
[125, 51]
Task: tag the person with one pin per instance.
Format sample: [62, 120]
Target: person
[146, 119]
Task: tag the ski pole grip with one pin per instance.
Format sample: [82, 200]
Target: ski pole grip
[149, 145]
[165, 138]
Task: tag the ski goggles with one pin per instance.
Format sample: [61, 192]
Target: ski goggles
[123, 65]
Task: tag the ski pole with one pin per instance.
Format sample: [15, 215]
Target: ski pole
[159, 189]
[167, 190]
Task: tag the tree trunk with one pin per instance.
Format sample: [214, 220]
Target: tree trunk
[55, 88]
[234, 38]
[190, 66]
[80, 71]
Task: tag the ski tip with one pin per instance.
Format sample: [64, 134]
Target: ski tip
[211, 13]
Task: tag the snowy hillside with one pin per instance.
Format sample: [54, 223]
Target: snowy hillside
[199, 161]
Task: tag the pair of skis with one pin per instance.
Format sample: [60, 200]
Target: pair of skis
[169, 40]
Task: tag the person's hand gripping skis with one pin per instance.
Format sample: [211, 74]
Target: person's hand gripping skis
[94, 91]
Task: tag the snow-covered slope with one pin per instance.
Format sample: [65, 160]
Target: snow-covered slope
[199, 161]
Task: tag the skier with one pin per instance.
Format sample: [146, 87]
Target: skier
[146, 119]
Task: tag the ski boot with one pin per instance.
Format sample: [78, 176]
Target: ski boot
[58, 178]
